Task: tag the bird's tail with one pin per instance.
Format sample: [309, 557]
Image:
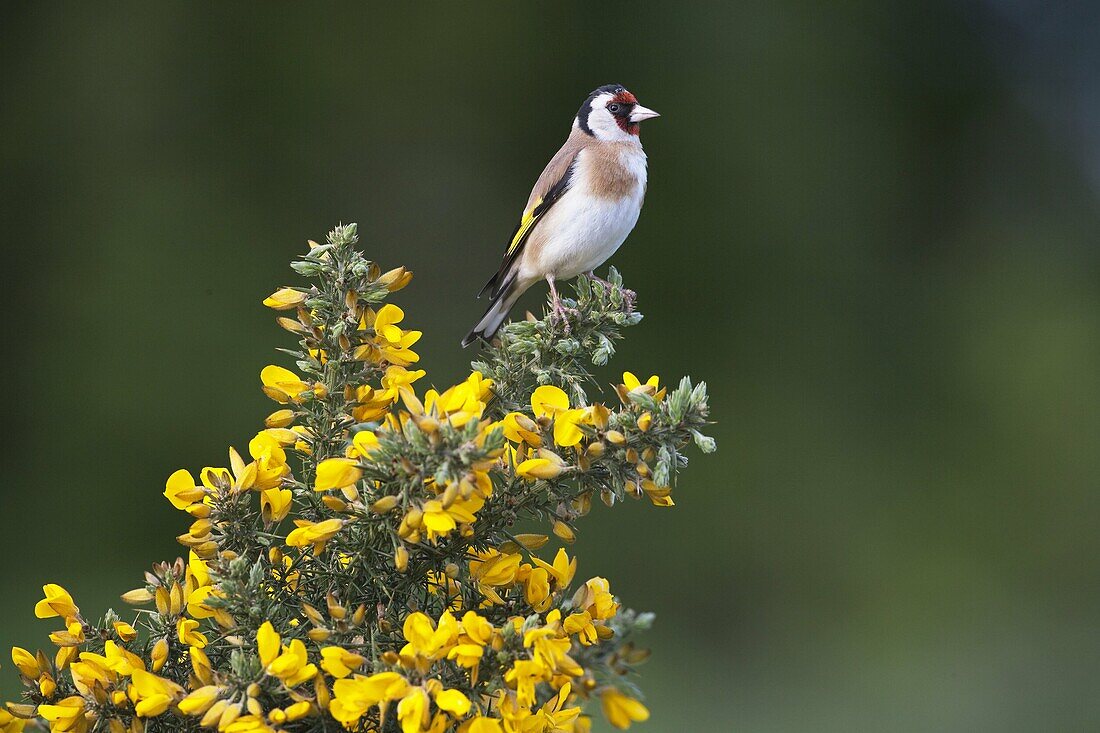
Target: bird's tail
[498, 309]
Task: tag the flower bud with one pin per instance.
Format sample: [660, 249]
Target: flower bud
[450, 495]
[214, 713]
[137, 596]
[312, 614]
[401, 559]
[414, 517]
[279, 419]
[200, 528]
[334, 503]
[175, 598]
[26, 662]
[199, 510]
[125, 631]
[289, 324]
[385, 504]
[46, 686]
[319, 634]
[321, 692]
[159, 655]
[232, 712]
[65, 655]
[563, 531]
[206, 550]
[335, 610]
[24, 712]
[395, 279]
[285, 299]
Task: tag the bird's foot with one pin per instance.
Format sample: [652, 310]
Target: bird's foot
[560, 312]
[629, 298]
[596, 278]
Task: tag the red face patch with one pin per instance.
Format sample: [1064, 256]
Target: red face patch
[626, 100]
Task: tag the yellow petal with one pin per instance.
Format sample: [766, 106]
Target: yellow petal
[365, 441]
[267, 643]
[484, 725]
[630, 381]
[548, 399]
[566, 432]
[538, 468]
[388, 315]
[453, 701]
[336, 473]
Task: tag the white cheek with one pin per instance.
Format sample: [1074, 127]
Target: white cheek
[605, 127]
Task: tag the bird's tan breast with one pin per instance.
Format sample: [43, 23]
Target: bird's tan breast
[613, 170]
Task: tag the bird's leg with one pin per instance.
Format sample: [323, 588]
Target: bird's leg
[628, 295]
[556, 308]
[591, 275]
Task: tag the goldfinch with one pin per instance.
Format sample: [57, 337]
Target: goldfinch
[582, 207]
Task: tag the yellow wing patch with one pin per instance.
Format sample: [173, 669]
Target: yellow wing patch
[525, 225]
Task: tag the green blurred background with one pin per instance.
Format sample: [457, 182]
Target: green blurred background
[872, 227]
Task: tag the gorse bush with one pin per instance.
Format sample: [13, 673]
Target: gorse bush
[371, 562]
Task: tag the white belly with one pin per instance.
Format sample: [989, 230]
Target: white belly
[582, 230]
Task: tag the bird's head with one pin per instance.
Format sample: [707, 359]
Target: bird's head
[612, 113]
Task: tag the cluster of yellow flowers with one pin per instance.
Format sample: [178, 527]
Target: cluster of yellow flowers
[399, 596]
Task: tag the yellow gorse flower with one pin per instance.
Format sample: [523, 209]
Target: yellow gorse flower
[392, 343]
[57, 602]
[339, 662]
[337, 473]
[282, 385]
[313, 533]
[621, 710]
[66, 715]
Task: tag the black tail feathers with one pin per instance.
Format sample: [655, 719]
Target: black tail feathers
[502, 300]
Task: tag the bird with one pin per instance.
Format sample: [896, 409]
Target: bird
[581, 209]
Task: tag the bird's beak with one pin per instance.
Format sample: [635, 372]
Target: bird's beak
[642, 113]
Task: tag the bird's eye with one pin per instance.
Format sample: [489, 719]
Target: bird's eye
[613, 108]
